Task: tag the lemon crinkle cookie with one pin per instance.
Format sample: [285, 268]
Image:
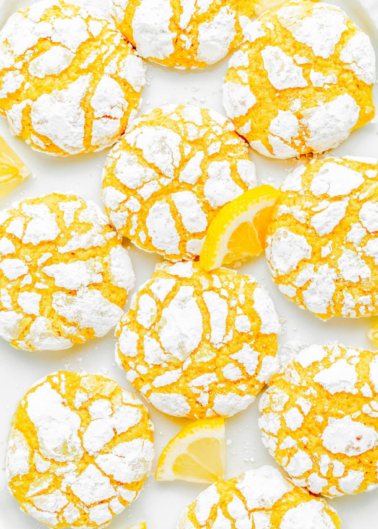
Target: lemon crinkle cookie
[199, 344]
[262, 499]
[69, 83]
[79, 451]
[185, 33]
[64, 274]
[168, 177]
[302, 80]
[322, 239]
[319, 419]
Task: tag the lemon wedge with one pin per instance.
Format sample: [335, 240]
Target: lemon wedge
[271, 5]
[372, 334]
[197, 453]
[239, 229]
[139, 526]
[12, 169]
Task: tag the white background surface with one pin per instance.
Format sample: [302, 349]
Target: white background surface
[160, 504]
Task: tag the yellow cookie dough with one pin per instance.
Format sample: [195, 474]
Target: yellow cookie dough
[69, 83]
[302, 80]
[321, 242]
[199, 344]
[79, 450]
[183, 33]
[319, 419]
[259, 499]
[64, 275]
[168, 177]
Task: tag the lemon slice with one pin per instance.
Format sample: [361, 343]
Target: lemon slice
[239, 229]
[12, 169]
[139, 526]
[197, 453]
[271, 5]
[372, 334]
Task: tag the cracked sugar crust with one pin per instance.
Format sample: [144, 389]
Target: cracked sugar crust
[198, 344]
[319, 419]
[79, 450]
[322, 245]
[167, 178]
[183, 33]
[69, 83]
[301, 82]
[262, 499]
[64, 274]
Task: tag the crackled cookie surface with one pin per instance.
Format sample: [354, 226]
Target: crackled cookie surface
[262, 499]
[319, 419]
[184, 33]
[168, 177]
[79, 450]
[302, 80]
[322, 244]
[199, 344]
[64, 274]
[69, 83]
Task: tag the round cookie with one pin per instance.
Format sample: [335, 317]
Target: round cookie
[64, 274]
[185, 34]
[199, 344]
[168, 177]
[262, 499]
[322, 240]
[79, 450]
[69, 83]
[302, 80]
[319, 419]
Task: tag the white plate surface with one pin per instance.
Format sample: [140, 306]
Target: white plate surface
[160, 504]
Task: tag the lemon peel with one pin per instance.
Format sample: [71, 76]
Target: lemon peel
[239, 229]
[197, 453]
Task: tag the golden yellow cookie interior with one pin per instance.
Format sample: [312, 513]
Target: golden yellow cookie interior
[167, 178]
[321, 244]
[259, 498]
[199, 344]
[79, 450]
[69, 83]
[319, 419]
[301, 81]
[64, 275]
[183, 35]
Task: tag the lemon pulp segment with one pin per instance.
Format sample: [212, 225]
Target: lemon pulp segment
[239, 229]
[12, 169]
[197, 453]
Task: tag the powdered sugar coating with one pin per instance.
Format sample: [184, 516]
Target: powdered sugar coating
[60, 286]
[326, 435]
[301, 82]
[256, 499]
[192, 355]
[168, 177]
[74, 82]
[183, 34]
[322, 247]
[359, 55]
[78, 460]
